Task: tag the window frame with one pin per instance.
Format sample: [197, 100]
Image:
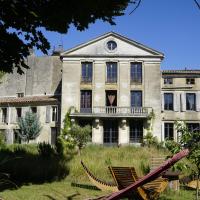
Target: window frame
[4, 115]
[193, 108]
[86, 101]
[168, 128]
[132, 98]
[190, 81]
[191, 128]
[168, 105]
[54, 114]
[111, 72]
[111, 45]
[86, 72]
[20, 94]
[168, 81]
[136, 72]
[17, 117]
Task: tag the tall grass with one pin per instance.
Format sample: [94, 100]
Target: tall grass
[98, 158]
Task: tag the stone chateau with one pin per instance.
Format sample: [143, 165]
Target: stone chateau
[114, 83]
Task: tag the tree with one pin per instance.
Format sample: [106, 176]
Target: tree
[73, 135]
[21, 22]
[191, 140]
[79, 136]
[29, 127]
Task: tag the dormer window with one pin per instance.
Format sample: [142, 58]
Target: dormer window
[190, 81]
[111, 45]
[21, 94]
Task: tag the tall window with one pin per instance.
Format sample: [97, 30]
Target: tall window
[111, 72]
[54, 114]
[19, 113]
[86, 72]
[86, 101]
[136, 98]
[136, 72]
[169, 131]
[168, 101]
[4, 115]
[136, 131]
[168, 80]
[190, 101]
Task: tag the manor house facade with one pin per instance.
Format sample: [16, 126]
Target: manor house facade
[113, 83]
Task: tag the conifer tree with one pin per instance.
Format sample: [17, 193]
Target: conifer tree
[29, 127]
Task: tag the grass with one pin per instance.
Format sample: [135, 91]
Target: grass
[63, 191]
[50, 191]
[97, 159]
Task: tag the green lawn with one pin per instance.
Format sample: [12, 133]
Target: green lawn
[97, 158]
[54, 191]
[63, 191]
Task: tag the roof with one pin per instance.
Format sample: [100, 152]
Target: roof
[195, 71]
[181, 73]
[133, 42]
[29, 100]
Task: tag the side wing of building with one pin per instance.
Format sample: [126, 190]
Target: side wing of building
[180, 100]
[38, 90]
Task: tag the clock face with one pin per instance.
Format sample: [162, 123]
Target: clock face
[111, 45]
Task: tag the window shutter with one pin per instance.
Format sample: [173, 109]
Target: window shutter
[48, 114]
[0, 115]
[7, 115]
[9, 136]
[176, 102]
[162, 102]
[198, 101]
[13, 115]
[183, 102]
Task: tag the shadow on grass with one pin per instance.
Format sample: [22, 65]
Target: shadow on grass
[84, 186]
[24, 166]
[70, 197]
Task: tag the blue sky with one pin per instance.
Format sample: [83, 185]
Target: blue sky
[169, 26]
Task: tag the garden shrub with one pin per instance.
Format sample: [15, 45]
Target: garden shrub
[46, 150]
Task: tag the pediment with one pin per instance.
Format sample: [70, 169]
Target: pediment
[125, 47]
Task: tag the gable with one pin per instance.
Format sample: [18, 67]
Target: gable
[125, 47]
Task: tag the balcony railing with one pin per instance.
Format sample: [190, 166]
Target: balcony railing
[115, 111]
[121, 110]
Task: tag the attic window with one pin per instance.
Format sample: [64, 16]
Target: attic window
[111, 45]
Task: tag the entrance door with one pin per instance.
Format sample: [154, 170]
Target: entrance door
[136, 131]
[110, 132]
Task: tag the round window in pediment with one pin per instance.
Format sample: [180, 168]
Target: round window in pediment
[111, 45]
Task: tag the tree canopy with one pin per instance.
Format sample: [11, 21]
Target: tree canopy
[21, 22]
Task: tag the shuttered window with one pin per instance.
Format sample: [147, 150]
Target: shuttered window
[168, 101]
[190, 101]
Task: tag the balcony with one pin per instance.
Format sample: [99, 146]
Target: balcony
[114, 111]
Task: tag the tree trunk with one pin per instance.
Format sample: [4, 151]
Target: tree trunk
[197, 190]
